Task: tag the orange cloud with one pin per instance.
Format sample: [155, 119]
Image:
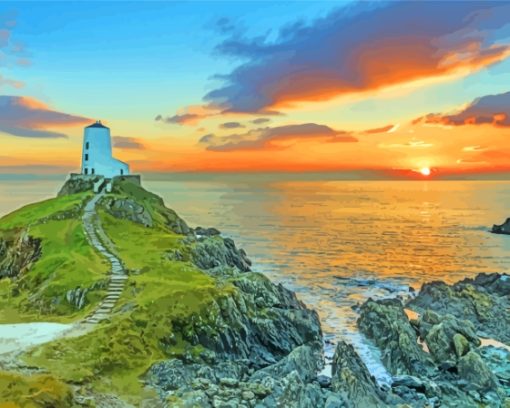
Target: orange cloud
[384, 129]
[492, 109]
[358, 49]
[190, 115]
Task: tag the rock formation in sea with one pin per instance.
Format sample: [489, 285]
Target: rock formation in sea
[503, 228]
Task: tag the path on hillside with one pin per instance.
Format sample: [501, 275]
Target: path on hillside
[118, 276]
[17, 338]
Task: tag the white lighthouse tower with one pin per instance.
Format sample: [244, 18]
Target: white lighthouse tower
[97, 156]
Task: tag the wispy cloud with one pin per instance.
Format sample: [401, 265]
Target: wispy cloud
[270, 137]
[384, 129]
[490, 109]
[260, 121]
[180, 119]
[190, 115]
[476, 148]
[13, 52]
[26, 117]
[125, 142]
[11, 82]
[412, 144]
[231, 125]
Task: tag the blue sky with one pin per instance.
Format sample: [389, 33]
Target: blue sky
[325, 76]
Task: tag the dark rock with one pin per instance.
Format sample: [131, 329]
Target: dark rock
[78, 185]
[387, 325]
[334, 401]
[324, 381]
[206, 232]
[129, 209]
[262, 333]
[305, 360]
[217, 251]
[502, 229]
[460, 344]
[77, 297]
[473, 369]
[351, 378]
[498, 361]
[484, 301]
[447, 337]
[17, 253]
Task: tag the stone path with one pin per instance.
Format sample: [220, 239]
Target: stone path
[118, 275]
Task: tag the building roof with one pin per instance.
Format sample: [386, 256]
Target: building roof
[98, 124]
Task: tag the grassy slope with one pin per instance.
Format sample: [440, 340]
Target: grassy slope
[161, 294]
[33, 391]
[67, 261]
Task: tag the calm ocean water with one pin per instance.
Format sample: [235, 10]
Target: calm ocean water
[337, 243]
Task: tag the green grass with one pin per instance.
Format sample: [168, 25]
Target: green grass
[34, 213]
[152, 203]
[161, 299]
[67, 261]
[34, 391]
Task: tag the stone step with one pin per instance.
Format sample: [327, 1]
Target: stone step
[101, 315]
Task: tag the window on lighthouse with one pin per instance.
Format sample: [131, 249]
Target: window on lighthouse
[87, 146]
[86, 157]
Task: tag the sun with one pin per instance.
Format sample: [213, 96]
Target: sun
[425, 171]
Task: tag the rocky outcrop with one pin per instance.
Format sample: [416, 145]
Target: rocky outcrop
[213, 251]
[261, 322]
[77, 185]
[452, 369]
[386, 324]
[77, 297]
[447, 338]
[17, 253]
[352, 379]
[502, 229]
[129, 209]
[206, 232]
[131, 201]
[484, 301]
[289, 383]
[261, 345]
[498, 361]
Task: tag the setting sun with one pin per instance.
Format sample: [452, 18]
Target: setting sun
[425, 171]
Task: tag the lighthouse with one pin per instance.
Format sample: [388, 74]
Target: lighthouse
[97, 156]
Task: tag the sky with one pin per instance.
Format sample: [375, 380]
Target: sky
[387, 87]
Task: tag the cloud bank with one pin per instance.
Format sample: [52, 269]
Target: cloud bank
[490, 109]
[362, 47]
[269, 137]
[125, 142]
[26, 117]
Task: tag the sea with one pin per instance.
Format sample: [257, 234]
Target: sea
[335, 243]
